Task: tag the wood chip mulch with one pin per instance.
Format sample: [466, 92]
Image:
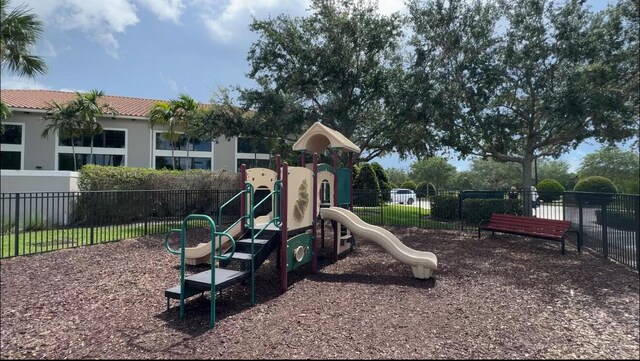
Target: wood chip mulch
[498, 297]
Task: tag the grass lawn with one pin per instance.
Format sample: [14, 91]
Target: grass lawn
[399, 215]
[37, 241]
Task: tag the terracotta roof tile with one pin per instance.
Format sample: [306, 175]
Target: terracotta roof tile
[38, 99]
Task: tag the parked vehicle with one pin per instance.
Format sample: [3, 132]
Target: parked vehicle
[403, 195]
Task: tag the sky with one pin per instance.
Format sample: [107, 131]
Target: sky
[159, 48]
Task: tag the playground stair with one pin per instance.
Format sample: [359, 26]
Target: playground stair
[200, 282]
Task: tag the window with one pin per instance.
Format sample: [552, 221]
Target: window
[12, 146]
[188, 153]
[109, 148]
[253, 153]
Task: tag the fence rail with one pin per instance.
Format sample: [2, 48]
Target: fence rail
[46, 221]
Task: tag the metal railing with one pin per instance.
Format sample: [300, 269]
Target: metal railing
[608, 223]
[46, 221]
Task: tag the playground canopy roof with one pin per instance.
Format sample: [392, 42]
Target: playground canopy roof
[319, 137]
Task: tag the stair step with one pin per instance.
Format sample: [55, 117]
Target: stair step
[224, 277]
[270, 227]
[239, 256]
[174, 292]
[255, 241]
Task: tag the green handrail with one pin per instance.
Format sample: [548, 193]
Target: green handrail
[183, 236]
[227, 203]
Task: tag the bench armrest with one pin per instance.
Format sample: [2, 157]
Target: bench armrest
[578, 240]
[484, 221]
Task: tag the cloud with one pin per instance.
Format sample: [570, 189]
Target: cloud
[165, 9]
[173, 85]
[231, 19]
[12, 82]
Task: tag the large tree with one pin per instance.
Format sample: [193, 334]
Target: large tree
[435, 170]
[333, 66]
[622, 167]
[19, 31]
[62, 119]
[516, 81]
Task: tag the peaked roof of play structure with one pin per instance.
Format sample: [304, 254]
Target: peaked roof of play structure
[319, 137]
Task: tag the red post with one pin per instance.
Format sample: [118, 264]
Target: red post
[314, 258]
[243, 199]
[283, 231]
[302, 159]
[278, 177]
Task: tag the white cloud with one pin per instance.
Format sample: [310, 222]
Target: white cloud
[230, 20]
[173, 85]
[47, 49]
[165, 9]
[12, 82]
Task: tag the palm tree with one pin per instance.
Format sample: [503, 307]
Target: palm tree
[88, 110]
[19, 31]
[62, 119]
[185, 110]
[162, 113]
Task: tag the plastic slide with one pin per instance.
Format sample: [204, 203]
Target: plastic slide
[422, 263]
[202, 252]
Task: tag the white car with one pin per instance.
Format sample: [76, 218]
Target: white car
[403, 195]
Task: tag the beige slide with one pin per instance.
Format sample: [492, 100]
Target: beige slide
[202, 252]
[422, 263]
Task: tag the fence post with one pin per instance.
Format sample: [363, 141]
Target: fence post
[605, 241]
[460, 210]
[16, 226]
[145, 212]
[636, 210]
[382, 212]
[581, 223]
[92, 204]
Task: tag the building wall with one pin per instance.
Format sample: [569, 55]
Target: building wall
[41, 153]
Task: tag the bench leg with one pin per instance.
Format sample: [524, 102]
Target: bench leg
[562, 246]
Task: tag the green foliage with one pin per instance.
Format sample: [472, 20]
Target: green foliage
[558, 170]
[367, 186]
[393, 185]
[435, 170]
[422, 189]
[334, 65]
[101, 178]
[521, 79]
[489, 174]
[475, 210]
[622, 167]
[383, 181]
[549, 190]
[595, 184]
[397, 176]
[409, 185]
[446, 207]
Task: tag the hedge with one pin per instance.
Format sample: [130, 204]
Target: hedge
[620, 220]
[447, 207]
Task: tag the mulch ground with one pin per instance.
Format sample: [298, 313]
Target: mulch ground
[499, 297]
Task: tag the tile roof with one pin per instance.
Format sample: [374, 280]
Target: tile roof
[38, 99]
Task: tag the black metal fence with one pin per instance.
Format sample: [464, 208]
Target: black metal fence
[608, 222]
[46, 221]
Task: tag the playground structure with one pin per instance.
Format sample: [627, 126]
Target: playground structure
[300, 197]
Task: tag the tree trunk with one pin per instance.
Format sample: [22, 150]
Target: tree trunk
[526, 185]
[188, 161]
[173, 157]
[73, 150]
[91, 154]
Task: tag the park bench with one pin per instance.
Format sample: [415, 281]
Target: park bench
[529, 226]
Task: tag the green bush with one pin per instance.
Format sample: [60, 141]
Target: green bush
[431, 190]
[549, 190]
[140, 194]
[445, 207]
[393, 185]
[595, 184]
[367, 186]
[422, 189]
[409, 185]
[475, 210]
[599, 190]
[383, 181]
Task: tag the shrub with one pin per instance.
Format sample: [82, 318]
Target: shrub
[431, 190]
[549, 190]
[445, 207]
[367, 186]
[475, 210]
[409, 185]
[422, 189]
[393, 185]
[595, 184]
[600, 190]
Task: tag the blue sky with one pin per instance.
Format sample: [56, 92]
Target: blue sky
[159, 48]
